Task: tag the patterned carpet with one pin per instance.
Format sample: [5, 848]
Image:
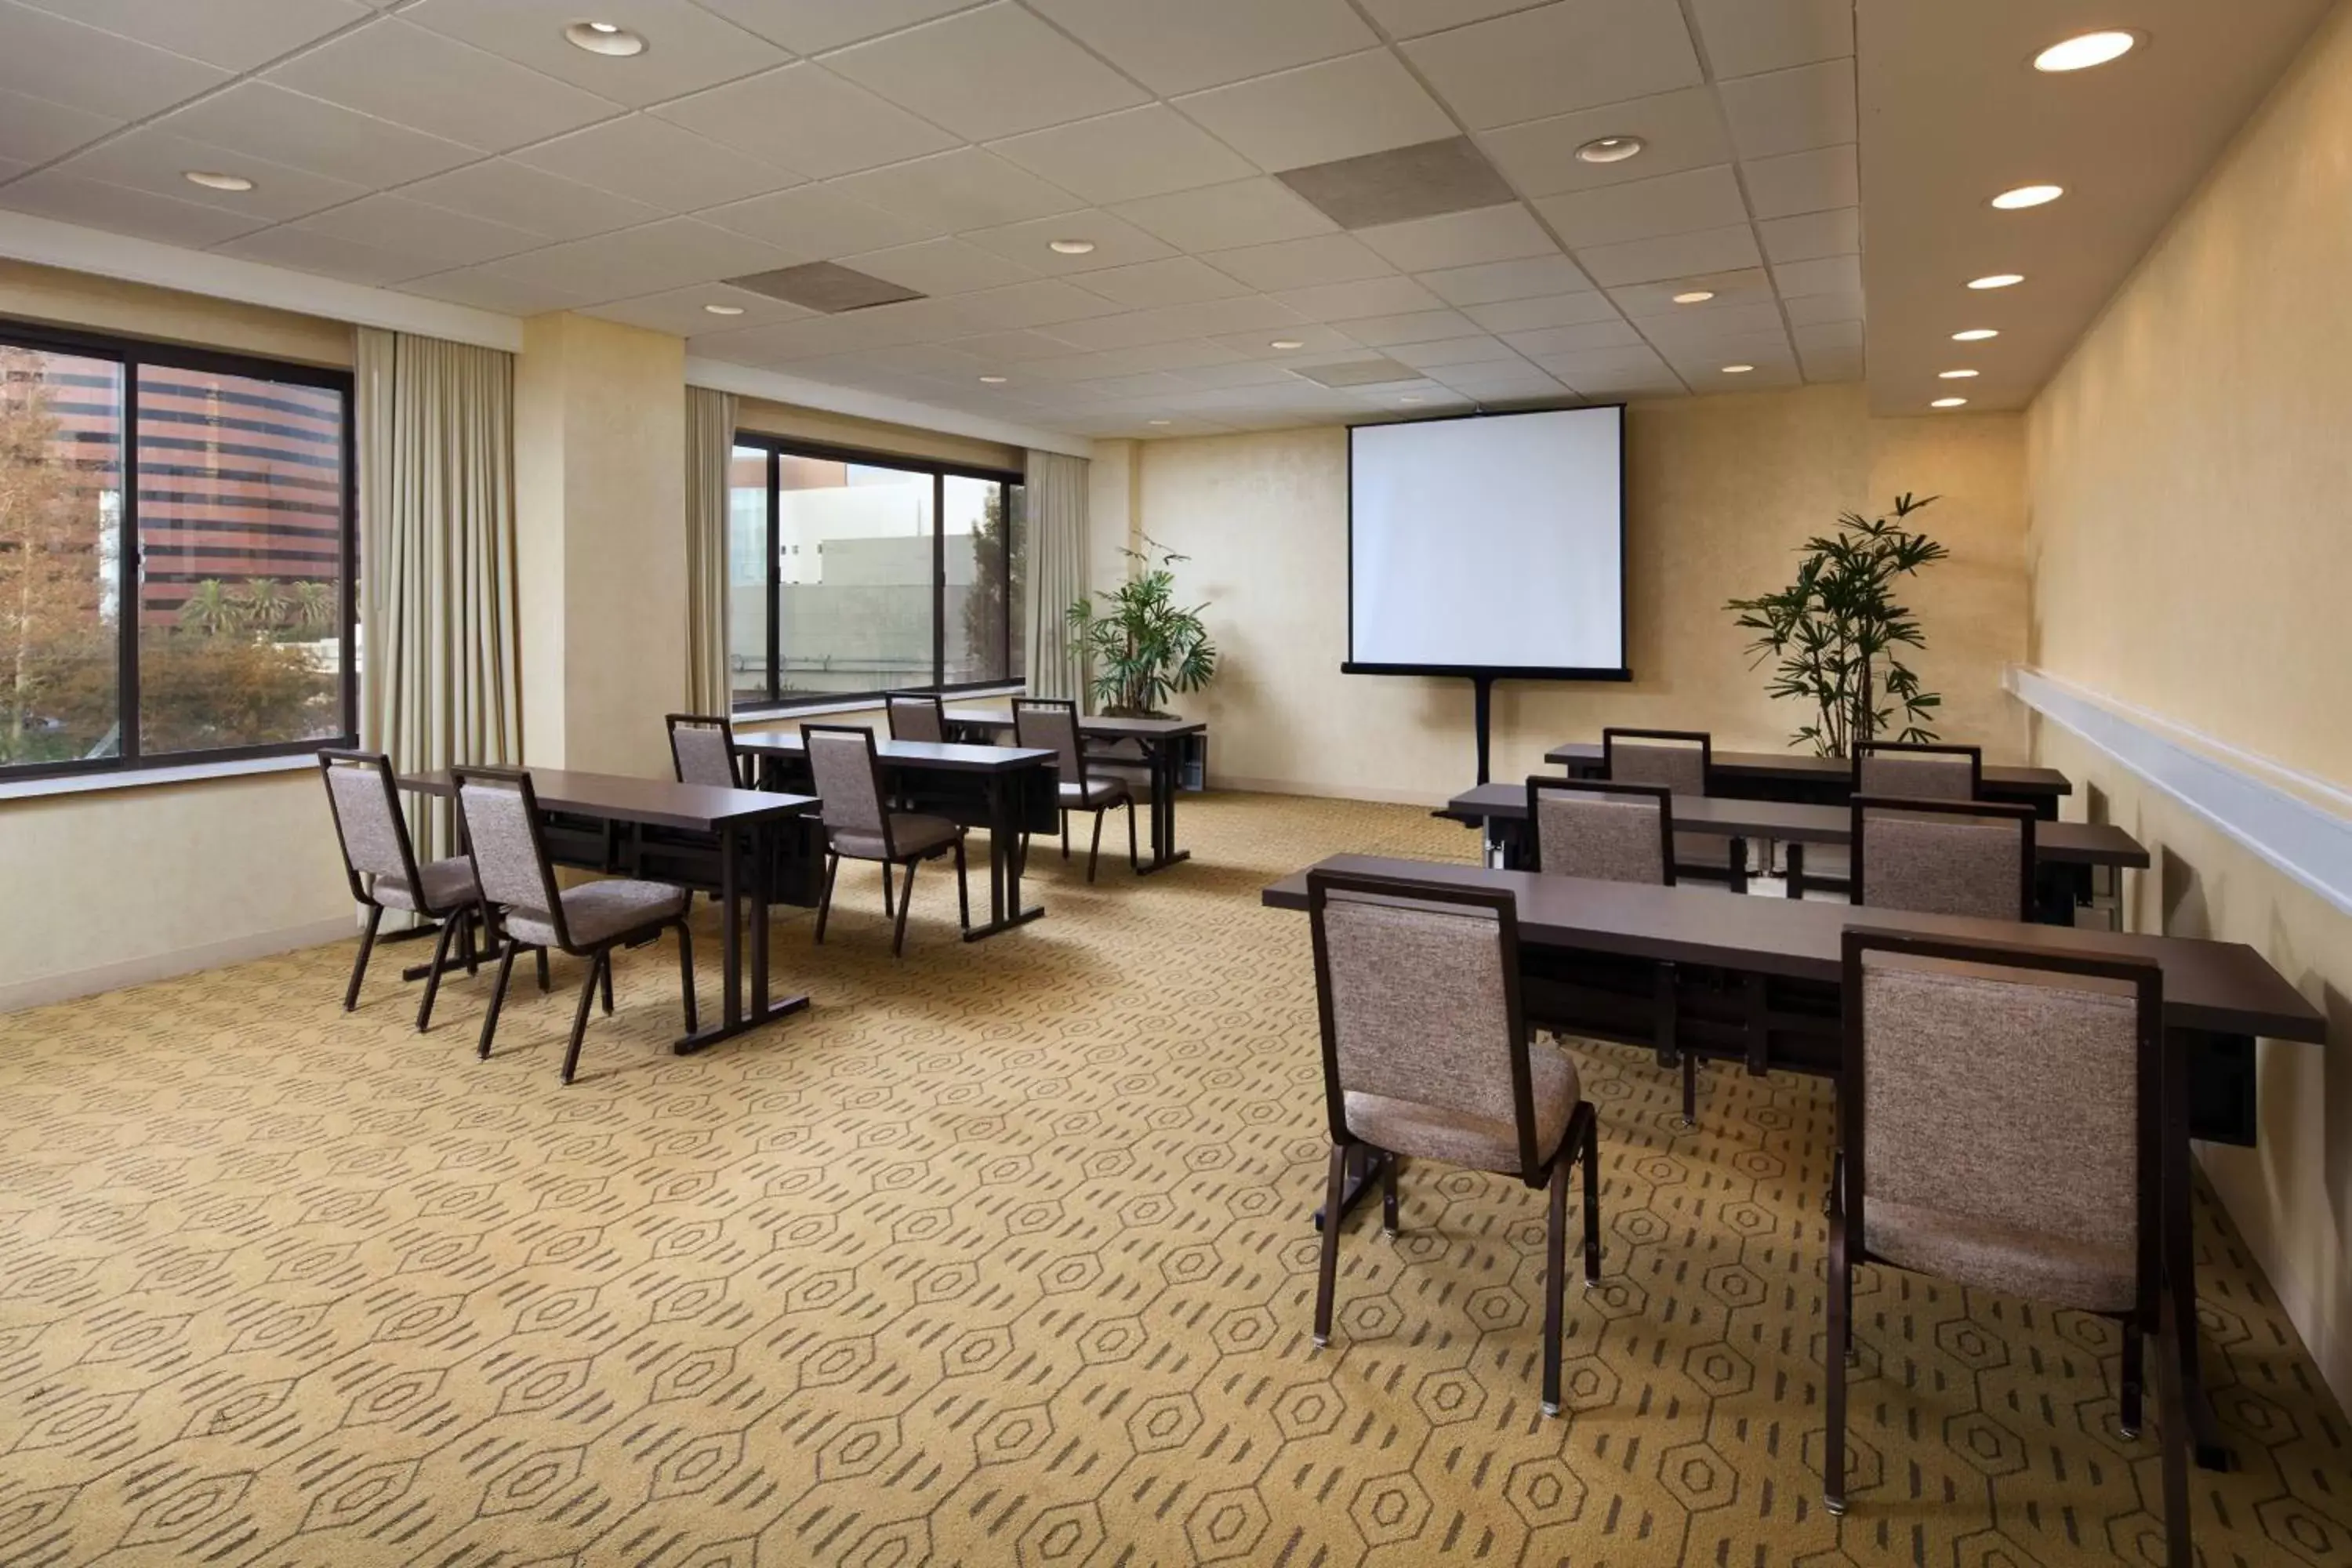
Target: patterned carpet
[999, 1256]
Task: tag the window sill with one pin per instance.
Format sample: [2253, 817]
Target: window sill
[870, 704]
[144, 778]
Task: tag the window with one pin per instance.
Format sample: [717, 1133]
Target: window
[198, 607]
[854, 574]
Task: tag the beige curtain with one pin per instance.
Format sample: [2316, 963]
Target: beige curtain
[709, 443]
[439, 678]
[1057, 572]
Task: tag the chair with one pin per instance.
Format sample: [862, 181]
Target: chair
[373, 832]
[916, 716]
[500, 812]
[859, 825]
[1943, 857]
[702, 749]
[1917, 770]
[1047, 724]
[1971, 1072]
[1684, 761]
[1426, 1053]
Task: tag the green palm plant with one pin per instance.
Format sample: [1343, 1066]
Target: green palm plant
[314, 607]
[1837, 630]
[264, 605]
[209, 609]
[1144, 647]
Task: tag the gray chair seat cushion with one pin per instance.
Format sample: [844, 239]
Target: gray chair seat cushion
[448, 884]
[1107, 790]
[1479, 1142]
[2033, 1264]
[911, 833]
[600, 911]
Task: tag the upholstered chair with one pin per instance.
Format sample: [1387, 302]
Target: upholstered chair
[1048, 725]
[1943, 857]
[1917, 770]
[702, 749]
[381, 863]
[1684, 761]
[916, 716]
[860, 825]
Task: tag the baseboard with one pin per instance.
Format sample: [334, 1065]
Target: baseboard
[69, 984]
[1429, 798]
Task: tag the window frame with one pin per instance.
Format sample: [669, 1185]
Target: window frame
[938, 471]
[130, 355]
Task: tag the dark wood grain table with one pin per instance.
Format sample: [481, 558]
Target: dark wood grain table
[1823, 781]
[1163, 741]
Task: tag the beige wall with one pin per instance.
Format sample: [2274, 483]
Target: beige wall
[1720, 491]
[827, 430]
[60, 298]
[2187, 469]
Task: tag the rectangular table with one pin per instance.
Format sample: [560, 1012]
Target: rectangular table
[1782, 1009]
[736, 824]
[1823, 781]
[1163, 741]
[1017, 795]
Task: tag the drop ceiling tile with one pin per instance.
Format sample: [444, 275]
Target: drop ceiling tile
[670, 253]
[1828, 335]
[1412, 18]
[1250, 313]
[35, 129]
[1225, 217]
[814, 337]
[1128, 156]
[1808, 182]
[1827, 365]
[1763, 372]
[687, 48]
[1313, 339]
[1173, 280]
[1678, 130]
[1811, 310]
[1013, 348]
[99, 72]
[1448, 353]
[270, 122]
[1319, 113]
[968, 188]
[119, 209]
[1506, 233]
[1746, 37]
[1236, 374]
[1809, 235]
[1045, 302]
[812, 26]
[1301, 263]
[994, 71]
[504, 190]
[654, 161]
[1585, 368]
[1547, 310]
[1790, 111]
[1387, 332]
[1557, 59]
[1126, 329]
[412, 77]
[1383, 298]
[1731, 288]
[817, 222]
[1206, 43]
[1825, 275]
[1687, 327]
[235, 34]
[1644, 209]
[1116, 242]
[152, 160]
[1496, 281]
[1702, 364]
[1579, 339]
[804, 118]
[680, 313]
[1671, 256]
[940, 266]
[1500, 382]
[12, 167]
[307, 251]
[397, 226]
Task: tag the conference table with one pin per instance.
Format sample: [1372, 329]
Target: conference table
[2067, 854]
[1163, 743]
[1823, 781]
[1009, 790]
[721, 841]
[1758, 981]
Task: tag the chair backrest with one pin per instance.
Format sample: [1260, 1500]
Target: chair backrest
[1051, 724]
[368, 819]
[499, 811]
[1944, 856]
[1418, 987]
[847, 773]
[1682, 760]
[702, 749]
[2009, 1086]
[1593, 827]
[1916, 769]
[916, 716]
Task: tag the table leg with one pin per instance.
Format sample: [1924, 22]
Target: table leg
[1364, 1168]
[2180, 1250]
[1739, 864]
[1004, 863]
[733, 1019]
[1167, 777]
[1796, 885]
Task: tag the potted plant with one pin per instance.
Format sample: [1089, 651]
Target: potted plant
[1837, 629]
[1144, 645]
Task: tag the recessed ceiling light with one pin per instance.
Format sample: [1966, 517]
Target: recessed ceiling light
[1287, 343]
[1997, 280]
[1155, 421]
[1073, 246]
[604, 38]
[214, 182]
[1738, 369]
[1975, 335]
[1694, 297]
[1611, 149]
[1954, 375]
[1950, 403]
[724, 310]
[992, 380]
[2028, 197]
[1408, 400]
[2086, 50]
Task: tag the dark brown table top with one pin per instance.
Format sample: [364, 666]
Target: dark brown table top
[1104, 725]
[2012, 778]
[2224, 987]
[664, 802]
[948, 757]
[2075, 843]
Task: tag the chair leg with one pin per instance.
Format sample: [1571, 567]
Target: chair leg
[497, 999]
[964, 888]
[1389, 1163]
[359, 965]
[604, 980]
[1592, 1197]
[1555, 1275]
[433, 976]
[2174, 1414]
[906, 903]
[466, 941]
[824, 899]
[1094, 850]
[579, 1014]
[1327, 1277]
[887, 912]
[1134, 852]
[1690, 1089]
[1065, 835]
[685, 974]
[1833, 1353]
[2128, 1420]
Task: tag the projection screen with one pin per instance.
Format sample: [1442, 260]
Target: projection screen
[1492, 544]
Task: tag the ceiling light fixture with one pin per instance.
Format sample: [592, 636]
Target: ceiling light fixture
[724, 310]
[2086, 50]
[1954, 375]
[1611, 149]
[2028, 197]
[214, 182]
[1950, 403]
[604, 38]
[1287, 343]
[1694, 297]
[1155, 421]
[1738, 369]
[1975, 335]
[1072, 246]
[992, 380]
[1997, 280]
[1408, 400]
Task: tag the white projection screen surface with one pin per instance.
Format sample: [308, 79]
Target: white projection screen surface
[1490, 545]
